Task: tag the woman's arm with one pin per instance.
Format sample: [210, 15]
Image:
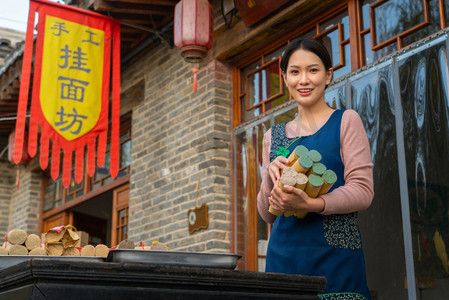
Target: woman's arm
[357, 193]
[267, 184]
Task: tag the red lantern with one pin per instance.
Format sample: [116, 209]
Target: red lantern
[194, 30]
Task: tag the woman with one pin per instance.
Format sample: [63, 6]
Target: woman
[327, 241]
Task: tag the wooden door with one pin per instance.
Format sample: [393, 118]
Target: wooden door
[61, 219]
[120, 214]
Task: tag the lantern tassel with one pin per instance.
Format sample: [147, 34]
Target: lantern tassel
[195, 84]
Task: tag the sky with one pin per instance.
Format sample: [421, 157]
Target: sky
[14, 13]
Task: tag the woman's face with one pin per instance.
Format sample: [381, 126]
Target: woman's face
[306, 78]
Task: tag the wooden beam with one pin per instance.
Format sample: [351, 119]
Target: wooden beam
[150, 2]
[137, 26]
[103, 6]
[130, 38]
[136, 22]
[10, 108]
[129, 30]
[234, 43]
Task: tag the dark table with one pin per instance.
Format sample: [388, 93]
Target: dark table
[39, 278]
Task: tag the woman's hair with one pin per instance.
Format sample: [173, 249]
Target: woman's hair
[311, 45]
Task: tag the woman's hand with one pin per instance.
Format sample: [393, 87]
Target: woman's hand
[294, 199]
[275, 167]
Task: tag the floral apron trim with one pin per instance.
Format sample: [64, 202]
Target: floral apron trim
[342, 296]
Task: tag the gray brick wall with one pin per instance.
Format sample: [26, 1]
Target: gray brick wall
[25, 202]
[7, 184]
[178, 138]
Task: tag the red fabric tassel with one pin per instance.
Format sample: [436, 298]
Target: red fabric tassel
[67, 170]
[24, 85]
[32, 136]
[195, 85]
[55, 159]
[91, 157]
[44, 152]
[101, 148]
[79, 164]
[115, 126]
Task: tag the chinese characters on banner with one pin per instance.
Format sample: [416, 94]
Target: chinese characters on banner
[70, 95]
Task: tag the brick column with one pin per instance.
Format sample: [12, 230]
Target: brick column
[7, 184]
[178, 138]
[25, 202]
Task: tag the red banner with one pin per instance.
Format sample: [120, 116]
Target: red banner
[70, 95]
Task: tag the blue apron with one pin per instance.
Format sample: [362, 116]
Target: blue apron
[318, 245]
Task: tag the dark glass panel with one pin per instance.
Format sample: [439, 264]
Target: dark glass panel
[52, 193]
[345, 24]
[262, 227]
[275, 54]
[249, 175]
[277, 101]
[385, 51]
[372, 98]
[423, 85]
[396, 16]
[241, 176]
[108, 180]
[255, 65]
[427, 30]
[346, 69]
[271, 80]
[249, 114]
[74, 186]
[332, 43]
[125, 136]
[365, 16]
[125, 154]
[58, 190]
[286, 117]
[96, 185]
[122, 173]
[336, 97]
[125, 232]
[342, 19]
[263, 84]
[371, 56]
[103, 171]
[254, 89]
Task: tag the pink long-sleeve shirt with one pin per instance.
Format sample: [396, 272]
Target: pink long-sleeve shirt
[357, 192]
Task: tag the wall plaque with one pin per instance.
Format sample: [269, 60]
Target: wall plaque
[198, 218]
